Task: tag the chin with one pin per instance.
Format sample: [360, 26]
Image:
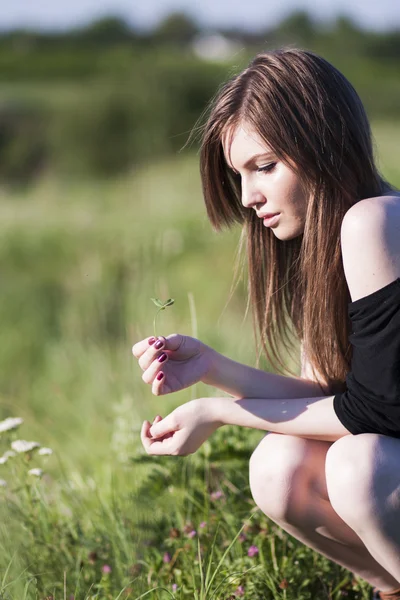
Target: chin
[285, 236]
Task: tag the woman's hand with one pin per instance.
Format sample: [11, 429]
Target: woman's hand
[183, 431]
[173, 363]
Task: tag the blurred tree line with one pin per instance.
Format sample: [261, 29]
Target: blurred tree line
[102, 99]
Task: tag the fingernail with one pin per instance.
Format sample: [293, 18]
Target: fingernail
[160, 376]
[151, 340]
[159, 344]
[162, 357]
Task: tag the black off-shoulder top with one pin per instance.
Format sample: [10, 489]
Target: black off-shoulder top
[371, 403]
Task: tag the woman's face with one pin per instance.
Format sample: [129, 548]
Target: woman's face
[268, 185]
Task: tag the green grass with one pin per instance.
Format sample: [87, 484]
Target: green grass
[79, 265]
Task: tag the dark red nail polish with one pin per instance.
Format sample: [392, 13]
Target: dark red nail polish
[162, 357]
[160, 376]
[158, 345]
[151, 340]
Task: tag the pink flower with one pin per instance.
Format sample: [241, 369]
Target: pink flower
[174, 587]
[252, 551]
[239, 591]
[217, 495]
[166, 558]
[106, 569]
[203, 524]
[192, 534]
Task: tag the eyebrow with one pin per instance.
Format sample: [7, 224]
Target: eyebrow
[252, 160]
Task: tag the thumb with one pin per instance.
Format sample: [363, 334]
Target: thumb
[162, 427]
[174, 341]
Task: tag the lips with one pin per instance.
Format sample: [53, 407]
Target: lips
[267, 215]
[269, 221]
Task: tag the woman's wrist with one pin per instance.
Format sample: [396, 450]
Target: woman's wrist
[242, 381]
[213, 409]
[232, 377]
[211, 376]
[217, 410]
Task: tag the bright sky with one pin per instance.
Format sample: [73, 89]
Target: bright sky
[250, 14]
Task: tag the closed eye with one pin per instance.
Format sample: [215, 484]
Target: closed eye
[267, 168]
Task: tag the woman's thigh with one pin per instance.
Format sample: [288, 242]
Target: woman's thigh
[367, 465]
[294, 464]
[288, 483]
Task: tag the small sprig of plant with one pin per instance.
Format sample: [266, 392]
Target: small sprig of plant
[161, 306]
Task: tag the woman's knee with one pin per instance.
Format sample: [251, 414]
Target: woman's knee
[351, 476]
[276, 474]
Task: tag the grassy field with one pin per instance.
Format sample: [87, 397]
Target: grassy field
[79, 264]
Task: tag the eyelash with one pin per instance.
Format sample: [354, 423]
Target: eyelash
[267, 168]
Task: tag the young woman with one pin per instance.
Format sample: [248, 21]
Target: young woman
[287, 153]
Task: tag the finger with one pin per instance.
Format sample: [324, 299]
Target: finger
[145, 436]
[158, 387]
[140, 347]
[174, 341]
[155, 367]
[157, 419]
[165, 446]
[153, 351]
[164, 426]
[161, 345]
[155, 447]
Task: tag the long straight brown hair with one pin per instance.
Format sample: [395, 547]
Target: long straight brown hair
[310, 115]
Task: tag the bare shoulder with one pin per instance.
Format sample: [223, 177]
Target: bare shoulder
[371, 207]
[370, 242]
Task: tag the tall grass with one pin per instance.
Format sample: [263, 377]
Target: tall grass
[79, 265]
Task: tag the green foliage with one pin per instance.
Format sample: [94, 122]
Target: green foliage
[108, 30]
[297, 28]
[103, 99]
[110, 126]
[176, 29]
[79, 263]
[100, 135]
[24, 145]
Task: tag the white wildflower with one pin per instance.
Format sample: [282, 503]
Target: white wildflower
[123, 433]
[9, 454]
[36, 472]
[21, 446]
[10, 423]
[45, 451]
[3, 483]
[6, 456]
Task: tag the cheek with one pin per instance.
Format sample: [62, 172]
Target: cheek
[297, 194]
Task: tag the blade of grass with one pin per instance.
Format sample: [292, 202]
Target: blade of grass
[200, 569]
[154, 590]
[226, 552]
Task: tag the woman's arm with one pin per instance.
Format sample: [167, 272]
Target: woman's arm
[312, 418]
[184, 430]
[242, 381]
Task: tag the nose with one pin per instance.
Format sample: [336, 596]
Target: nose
[251, 196]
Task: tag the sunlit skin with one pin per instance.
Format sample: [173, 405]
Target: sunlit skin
[268, 184]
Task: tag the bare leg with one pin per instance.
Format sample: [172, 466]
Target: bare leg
[288, 483]
[368, 466]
